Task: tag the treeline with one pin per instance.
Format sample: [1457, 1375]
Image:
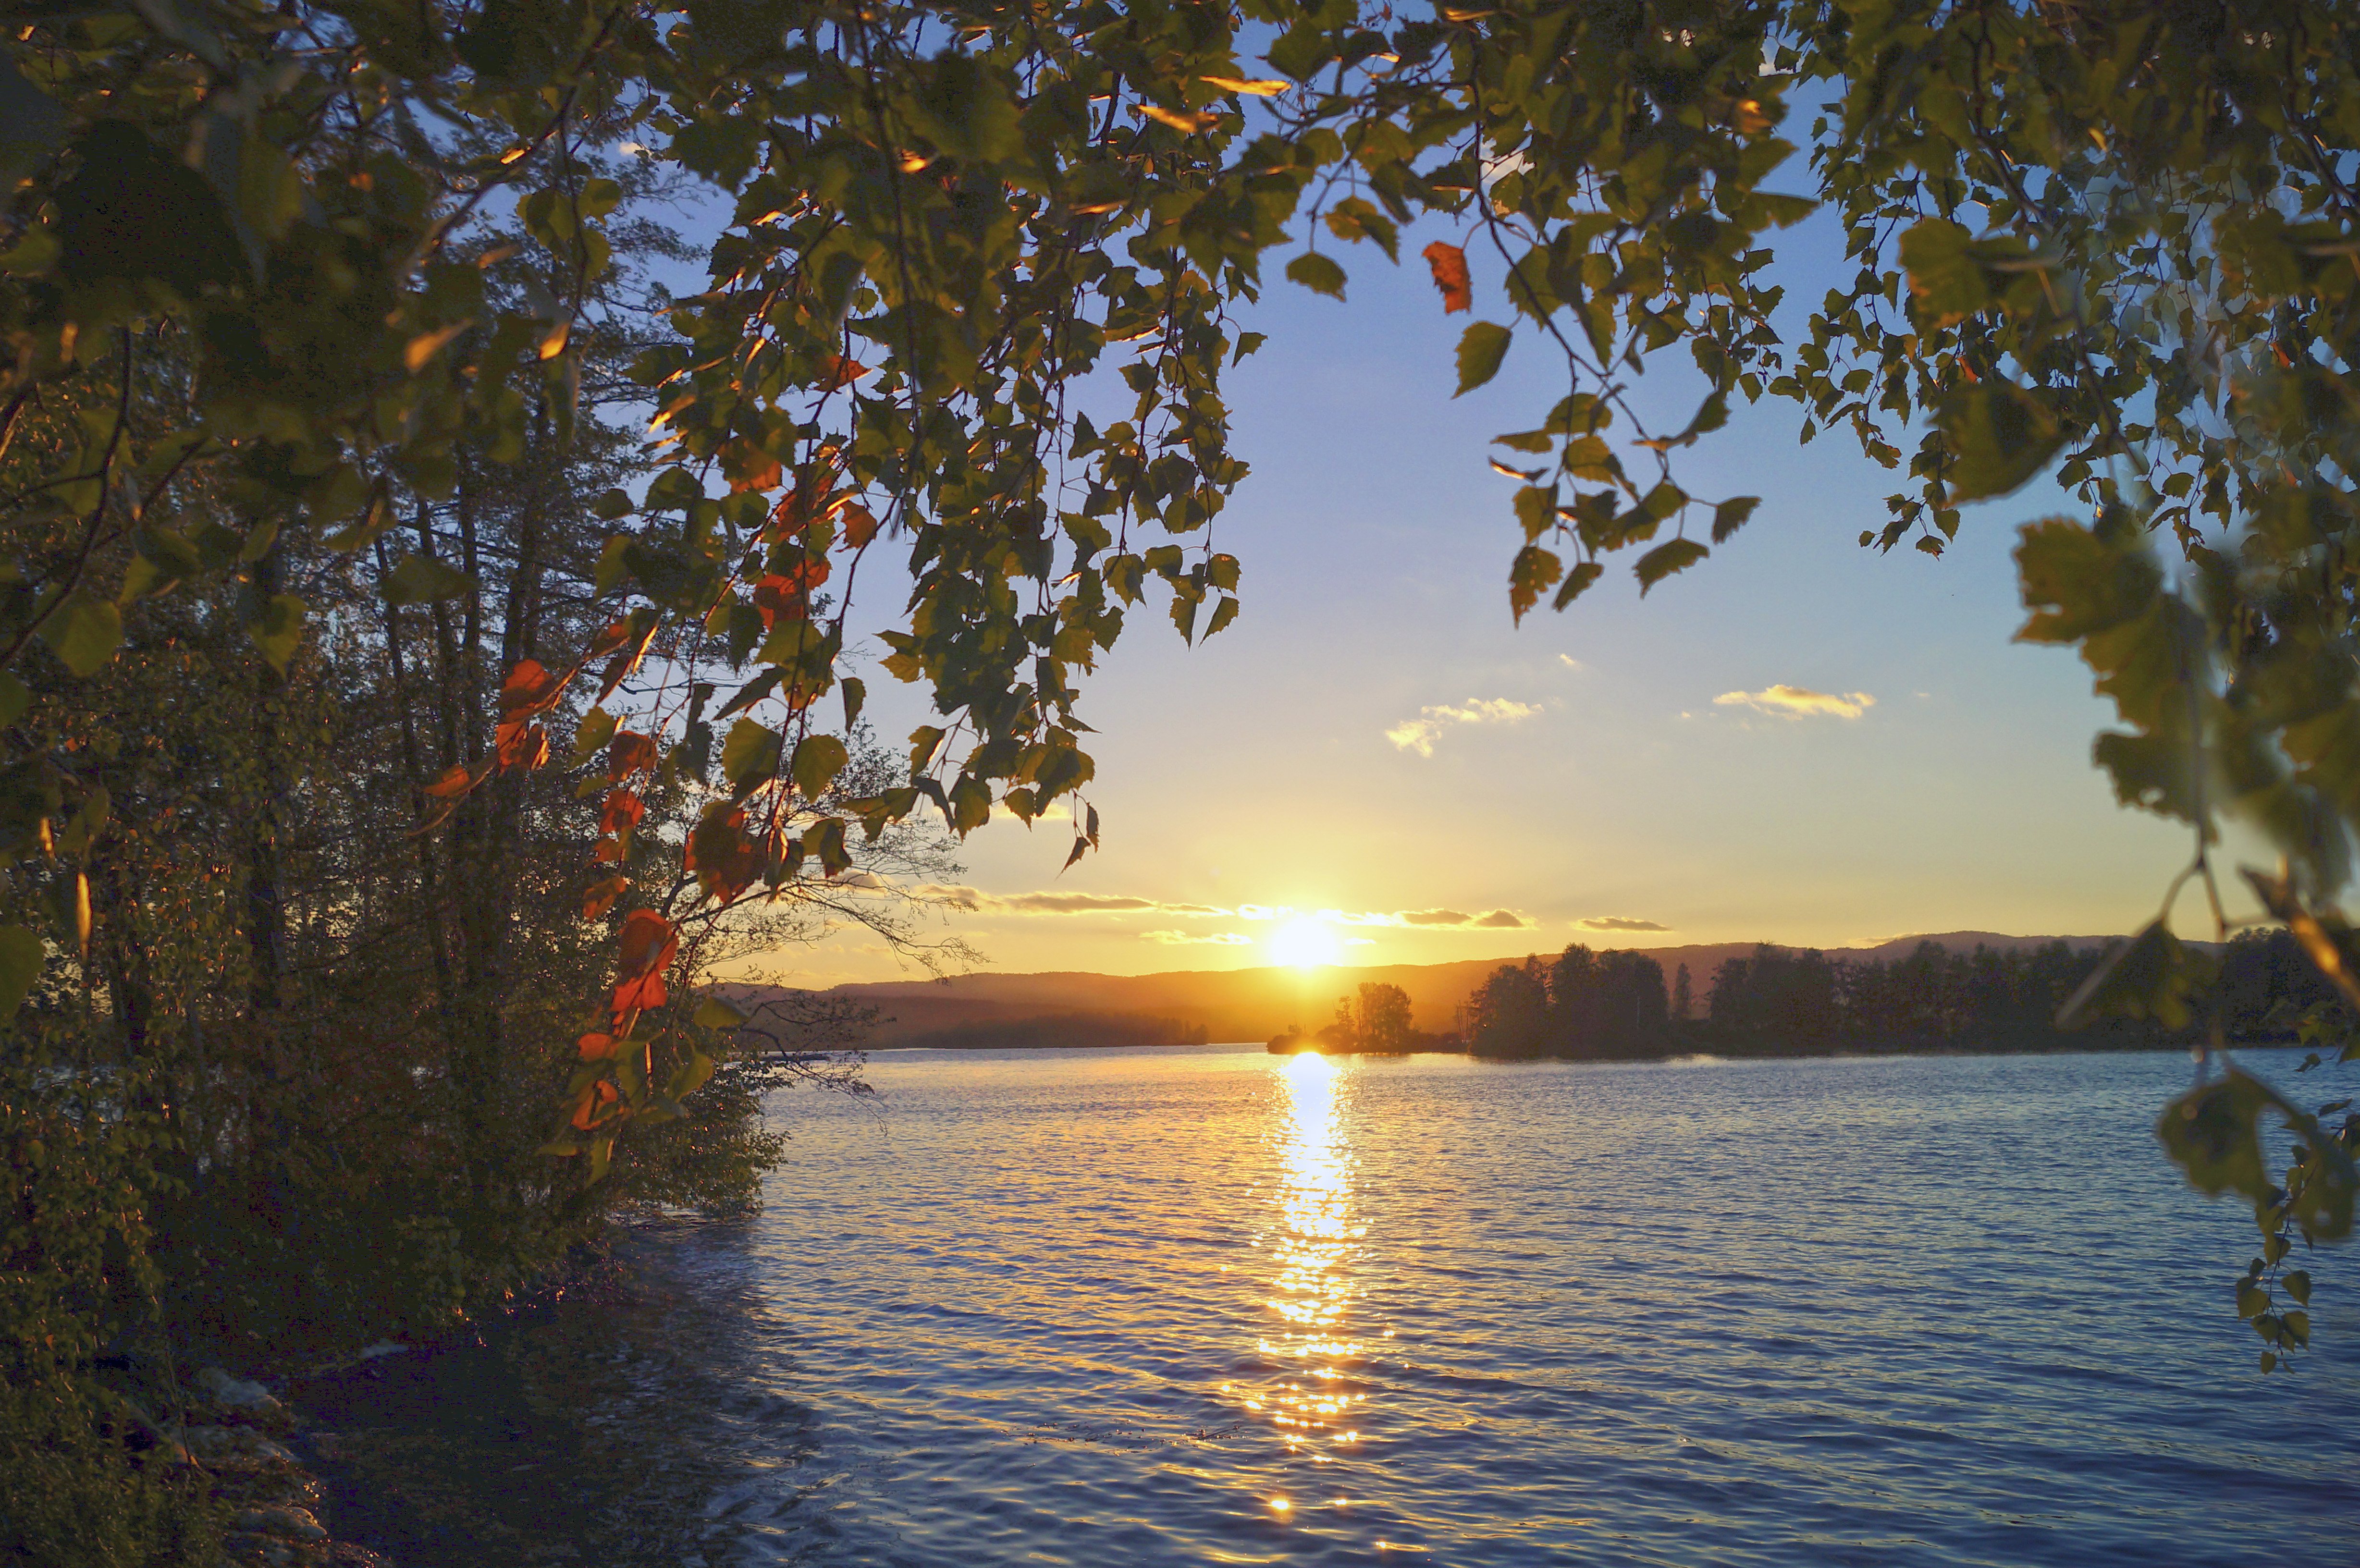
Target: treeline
[1616, 1005]
[305, 1078]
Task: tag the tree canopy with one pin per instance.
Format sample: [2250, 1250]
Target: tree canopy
[309, 262]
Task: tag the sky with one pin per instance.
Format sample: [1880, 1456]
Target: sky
[1796, 741]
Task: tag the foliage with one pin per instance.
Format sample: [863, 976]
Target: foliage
[1375, 1020]
[1585, 1005]
[256, 321]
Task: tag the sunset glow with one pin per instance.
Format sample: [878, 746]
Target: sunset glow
[1304, 943]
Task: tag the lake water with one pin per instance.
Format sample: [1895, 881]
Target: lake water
[1219, 1307]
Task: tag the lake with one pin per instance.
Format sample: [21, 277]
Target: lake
[1215, 1306]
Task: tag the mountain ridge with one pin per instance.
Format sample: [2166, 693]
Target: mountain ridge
[1255, 1004]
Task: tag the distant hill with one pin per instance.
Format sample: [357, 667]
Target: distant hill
[1255, 1004]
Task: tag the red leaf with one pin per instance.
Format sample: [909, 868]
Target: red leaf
[621, 811]
[776, 596]
[629, 753]
[648, 943]
[1448, 264]
[638, 994]
[529, 689]
[597, 1047]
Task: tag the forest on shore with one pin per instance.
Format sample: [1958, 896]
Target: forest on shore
[1617, 1005]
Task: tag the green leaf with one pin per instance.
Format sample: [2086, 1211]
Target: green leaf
[422, 580]
[1317, 273]
[2298, 1285]
[1480, 349]
[823, 842]
[1732, 515]
[2210, 1134]
[691, 1076]
[714, 1013]
[1946, 284]
[83, 632]
[1583, 575]
[819, 759]
[14, 699]
[2251, 1300]
[1672, 555]
[279, 631]
[2149, 976]
[750, 757]
[2004, 436]
[21, 956]
[597, 727]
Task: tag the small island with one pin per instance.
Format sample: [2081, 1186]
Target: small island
[1374, 1023]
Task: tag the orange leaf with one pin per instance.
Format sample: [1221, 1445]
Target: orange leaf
[597, 1047]
[809, 573]
[797, 506]
[857, 526]
[776, 596]
[648, 943]
[640, 994]
[601, 895]
[620, 812]
[523, 745]
[608, 853]
[1179, 120]
[596, 1098]
[1449, 266]
[841, 372]
[529, 689]
[455, 781]
[629, 753]
[764, 475]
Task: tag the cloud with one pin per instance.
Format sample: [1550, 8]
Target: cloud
[1183, 938]
[1428, 919]
[1570, 662]
[1418, 735]
[1785, 702]
[1618, 923]
[975, 898]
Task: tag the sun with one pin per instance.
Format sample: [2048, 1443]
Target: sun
[1306, 943]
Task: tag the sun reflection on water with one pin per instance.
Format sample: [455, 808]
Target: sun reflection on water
[1313, 1241]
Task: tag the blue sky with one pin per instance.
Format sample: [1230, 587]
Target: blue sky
[1592, 766]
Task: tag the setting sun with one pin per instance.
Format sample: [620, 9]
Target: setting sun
[1306, 943]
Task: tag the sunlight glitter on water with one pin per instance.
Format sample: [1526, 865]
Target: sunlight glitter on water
[1314, 1243]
